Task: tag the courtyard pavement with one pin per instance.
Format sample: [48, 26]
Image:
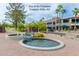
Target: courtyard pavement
[10, 47]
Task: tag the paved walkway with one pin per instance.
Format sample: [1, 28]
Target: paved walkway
[13, 48]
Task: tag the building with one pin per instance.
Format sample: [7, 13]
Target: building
[69, 23]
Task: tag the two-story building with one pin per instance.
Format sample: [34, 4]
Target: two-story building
[69, 23]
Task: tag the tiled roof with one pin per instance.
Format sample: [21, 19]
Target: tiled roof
[55, 18]
[72, 17]
[50, 20]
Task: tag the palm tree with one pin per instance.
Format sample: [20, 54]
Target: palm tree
[42, 19]
[16, 13]
[75, 12]
[63, 11]
[60, 11]
[57, 12]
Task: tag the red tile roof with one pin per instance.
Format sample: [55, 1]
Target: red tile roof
[53, 19]
[72, 17]
[50, 20]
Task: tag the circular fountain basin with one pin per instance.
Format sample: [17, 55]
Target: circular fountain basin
[42, 44]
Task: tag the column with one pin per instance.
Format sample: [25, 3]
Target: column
[61, 24]
[55, 25]
[75, 25]
[70, 21]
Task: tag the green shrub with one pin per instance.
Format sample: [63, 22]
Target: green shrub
[20, 27]
[38, 34]
[56, 31]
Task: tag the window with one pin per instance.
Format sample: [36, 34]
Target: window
[77, 27]
[49, 23]
[77, 20]
[53, 28]
[73, 20]
[53, 23]
[65, 20]
[50, 28]
[58, 21]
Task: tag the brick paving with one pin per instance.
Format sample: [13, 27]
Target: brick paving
[10, 47]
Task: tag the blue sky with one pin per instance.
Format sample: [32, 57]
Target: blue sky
[48, 13]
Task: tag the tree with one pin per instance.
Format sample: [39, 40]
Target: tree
[39, 24]
[63, 11]
[75, 11]
[21, 27]
[42, 19]
[57, 12]
[60, 12]
[6, 24]
[16, 13]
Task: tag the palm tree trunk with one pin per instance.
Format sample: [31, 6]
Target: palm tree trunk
[61, 22]
[16, 25]
[62, 15]
[57, 15]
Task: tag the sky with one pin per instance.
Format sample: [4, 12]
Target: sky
[36, 11]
